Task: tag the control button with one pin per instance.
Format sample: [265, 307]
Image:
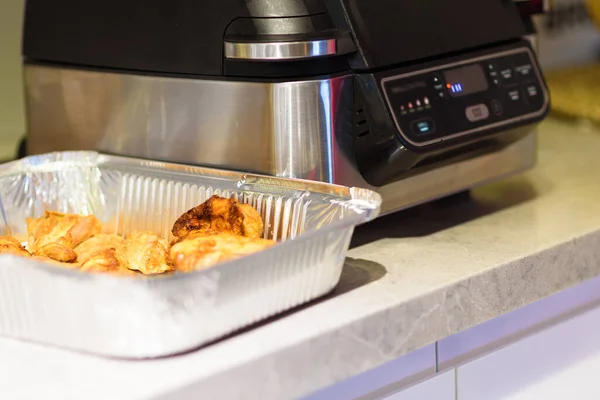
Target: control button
[441, 95]
[496, 82]
[514, 95]
[477, 112]
[532, 90]
[439, 86]
[507, 74]
[426, 101]
[524, 70]
[418, 103]
[497, 107]
[523, 64]
[423, 126]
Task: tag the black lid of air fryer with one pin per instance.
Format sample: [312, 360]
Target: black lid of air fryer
[175, 36]
[187, 36]
[389, 32]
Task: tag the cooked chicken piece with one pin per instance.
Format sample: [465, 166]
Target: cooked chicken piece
[11, 245]
[57, 251]
[108, 261]
[219, 214]
[56, 234]
[199, 251]
[9, 240]
[71, 265]
[66, 229]
[104, 261]
[97, 243]
[146, 253]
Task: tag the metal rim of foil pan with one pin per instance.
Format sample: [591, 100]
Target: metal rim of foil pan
[150, 317]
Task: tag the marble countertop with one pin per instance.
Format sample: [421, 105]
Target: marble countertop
[411, 279]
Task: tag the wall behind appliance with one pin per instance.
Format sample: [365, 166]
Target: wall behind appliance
[12, 122]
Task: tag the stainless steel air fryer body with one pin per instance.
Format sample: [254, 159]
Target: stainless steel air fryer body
[291, 129]
[308, 96]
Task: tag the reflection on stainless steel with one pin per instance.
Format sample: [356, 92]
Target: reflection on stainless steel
[290, 129]
[282, 129]
[281, 50]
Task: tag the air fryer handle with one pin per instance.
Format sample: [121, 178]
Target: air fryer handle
[286, 38]
[280, 51]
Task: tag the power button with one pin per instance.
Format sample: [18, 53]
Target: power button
[497, 107]
[477, 112]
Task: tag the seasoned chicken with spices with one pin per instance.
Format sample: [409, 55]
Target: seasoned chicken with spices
[109, 260]
[146, 253]
[69, 265]
[98, 243]
[217, 230]
[199, 251]
[218, 215]
[11, 245]
[56, 234]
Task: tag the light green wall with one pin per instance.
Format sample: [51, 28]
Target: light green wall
[12, 124]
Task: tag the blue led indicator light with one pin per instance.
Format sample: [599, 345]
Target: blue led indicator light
[456, 88]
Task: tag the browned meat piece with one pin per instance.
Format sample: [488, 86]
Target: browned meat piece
[97, 243]
[199, 251]
[56, 234]
[109, 261]
[57, 251]
[146, 253]
[219, 214]
[70, 265]
[11, 245]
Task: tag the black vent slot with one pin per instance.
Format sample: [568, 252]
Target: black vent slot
[361, 123]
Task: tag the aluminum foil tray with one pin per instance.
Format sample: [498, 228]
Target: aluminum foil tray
[144, 317]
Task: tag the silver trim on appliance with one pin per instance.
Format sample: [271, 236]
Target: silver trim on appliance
[286, 129]
[281, 50]
[294, 129]
[481, 128]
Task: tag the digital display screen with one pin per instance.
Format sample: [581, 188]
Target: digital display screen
[465, 80]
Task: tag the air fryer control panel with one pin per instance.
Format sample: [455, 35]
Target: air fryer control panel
[466, 96]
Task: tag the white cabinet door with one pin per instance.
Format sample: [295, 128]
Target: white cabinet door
[380, 381]
[558, 362]
[441, 387]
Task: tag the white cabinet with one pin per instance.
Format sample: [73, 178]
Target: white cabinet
[383, 380]
[554, 360]
[441, 387]
[559, 362]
